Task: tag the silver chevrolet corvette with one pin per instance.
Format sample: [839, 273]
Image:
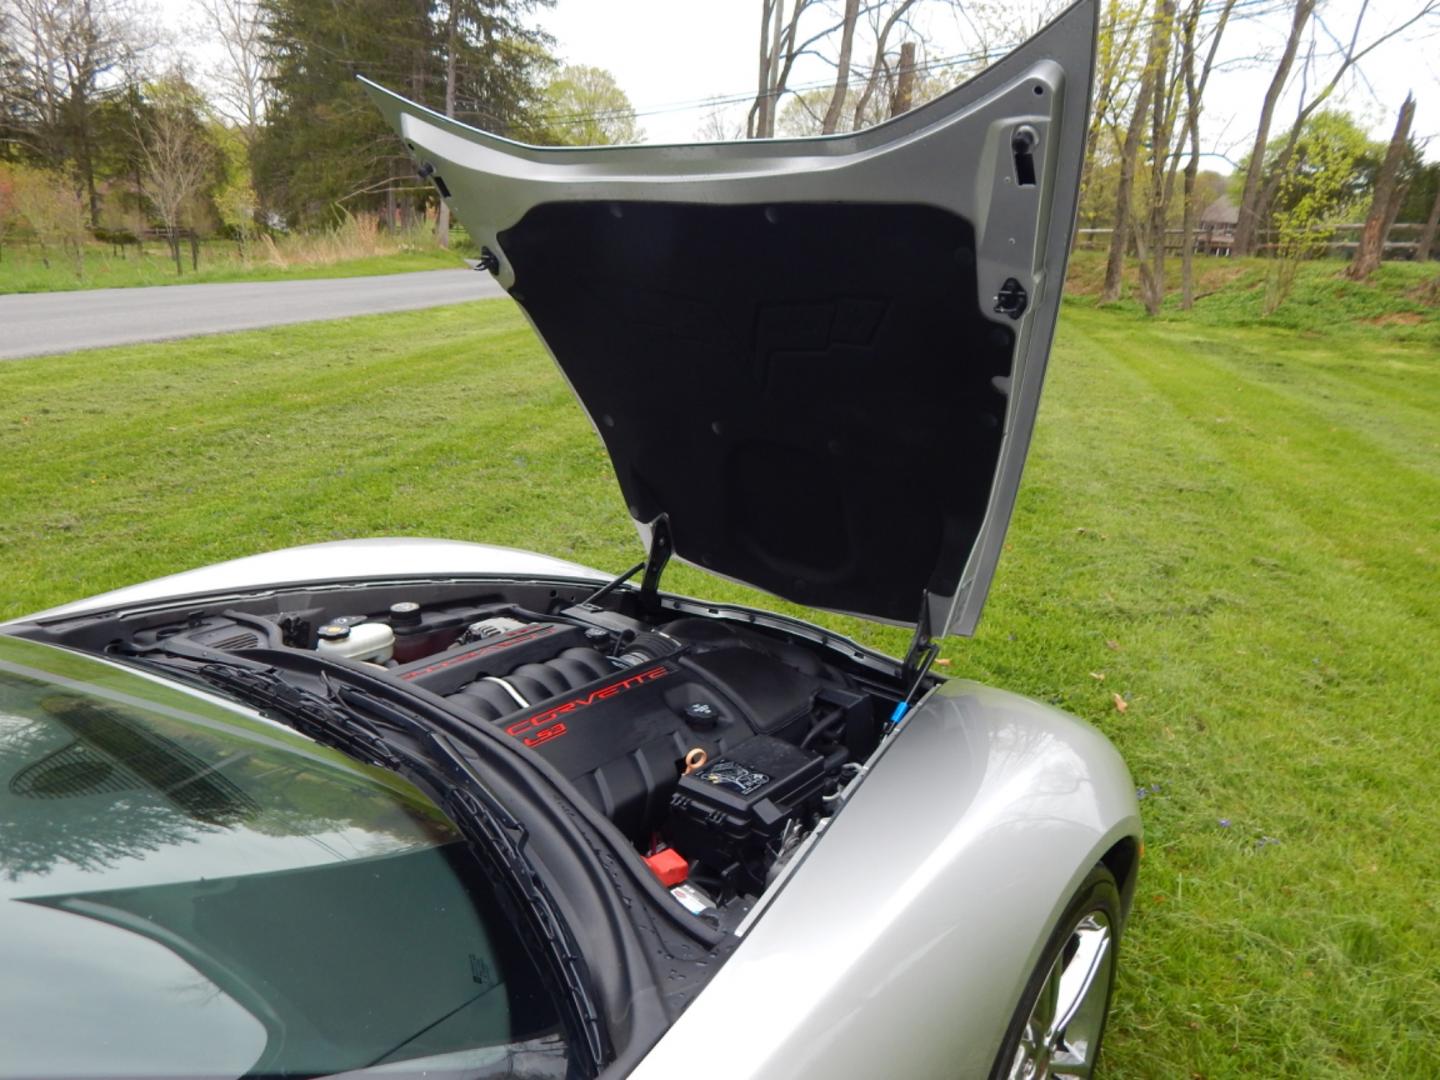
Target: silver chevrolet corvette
[424, 807]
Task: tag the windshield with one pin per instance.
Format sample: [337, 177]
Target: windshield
[188, 890]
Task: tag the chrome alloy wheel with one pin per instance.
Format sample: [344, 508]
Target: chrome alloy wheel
[1062, 1036]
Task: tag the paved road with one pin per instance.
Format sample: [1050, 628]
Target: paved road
[32, 324]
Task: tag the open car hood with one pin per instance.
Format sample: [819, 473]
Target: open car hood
[818, 359]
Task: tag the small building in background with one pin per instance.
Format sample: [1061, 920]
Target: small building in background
[1216, 233]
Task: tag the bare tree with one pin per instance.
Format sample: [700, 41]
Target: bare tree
[860, 25]
[904, 93]
[452, 50]
[1150, 231]
[1384, 205]
[54, 210]
[243, 93]
[1246, 226]
[1351, 53]
[1117, 57]
[1195, 84]
[717, 124]
[780, 47]
[842, 67]
[880, 67]
[178, 158]
[66, 49]
[1129, 155]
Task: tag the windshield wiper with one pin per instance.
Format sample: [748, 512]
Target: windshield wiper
[317, 717]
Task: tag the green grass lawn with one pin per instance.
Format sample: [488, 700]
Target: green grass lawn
[1236, 529]
[23, 271]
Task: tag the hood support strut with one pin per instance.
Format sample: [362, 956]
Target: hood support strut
[660, 548]
[923, 651]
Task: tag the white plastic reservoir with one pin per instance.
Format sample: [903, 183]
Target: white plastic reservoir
[373, 641]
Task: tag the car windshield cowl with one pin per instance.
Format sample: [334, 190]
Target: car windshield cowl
[349, 718]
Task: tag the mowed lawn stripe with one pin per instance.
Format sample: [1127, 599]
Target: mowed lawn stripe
[173, 455]
[1317, 727]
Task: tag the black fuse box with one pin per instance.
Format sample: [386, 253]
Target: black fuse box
[725, 813]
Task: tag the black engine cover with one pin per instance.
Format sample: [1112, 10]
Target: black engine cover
[623, 739]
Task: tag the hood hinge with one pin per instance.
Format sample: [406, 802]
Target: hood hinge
[660, 549]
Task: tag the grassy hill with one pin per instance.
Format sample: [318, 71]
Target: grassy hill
[1401, 296]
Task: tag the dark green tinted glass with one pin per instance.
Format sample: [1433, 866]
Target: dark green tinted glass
[186, 890]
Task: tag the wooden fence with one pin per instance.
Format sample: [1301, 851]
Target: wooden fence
[1219, 240]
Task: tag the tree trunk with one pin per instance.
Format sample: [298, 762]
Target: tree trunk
[1192, 166]
[1187, 238]
[904, 80]
[175, 251]
[1152, 273]
[139, 212]
[1248, 223]
[1130, 153]
[84, 153]
[876, 68]
[842, 68]
[194, 250]
[1111, 63]
[1377, 223]
[1427, 238]
[752, 119]
[761, 122]
[772, 74]
[452, 34]
[417, 91]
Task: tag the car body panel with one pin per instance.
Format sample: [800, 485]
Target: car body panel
[900, 946]
[370, 559]
[613, 253]
[898, 941]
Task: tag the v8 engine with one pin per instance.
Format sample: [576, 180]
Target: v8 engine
[712, 746]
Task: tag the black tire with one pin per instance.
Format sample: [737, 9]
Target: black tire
[1096, 900]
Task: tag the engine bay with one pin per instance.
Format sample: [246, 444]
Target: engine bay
[715, 746]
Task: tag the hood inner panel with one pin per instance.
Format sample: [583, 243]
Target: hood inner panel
[810, 393]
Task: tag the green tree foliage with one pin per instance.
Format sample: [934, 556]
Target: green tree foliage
[12, 102]
[1423, 183]
[1331, 172]
[52, 210]
[584, 106]
[234, 198]
[326, 147]
[1310, 184]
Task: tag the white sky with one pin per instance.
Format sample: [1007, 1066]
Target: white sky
[670, 56]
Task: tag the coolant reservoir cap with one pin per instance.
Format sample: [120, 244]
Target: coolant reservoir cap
[405, 613]
[334, 631]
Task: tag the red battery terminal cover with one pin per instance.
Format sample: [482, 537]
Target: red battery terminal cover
[669, 866]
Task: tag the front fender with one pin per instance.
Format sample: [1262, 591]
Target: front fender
[384, 557]
[900, 946]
